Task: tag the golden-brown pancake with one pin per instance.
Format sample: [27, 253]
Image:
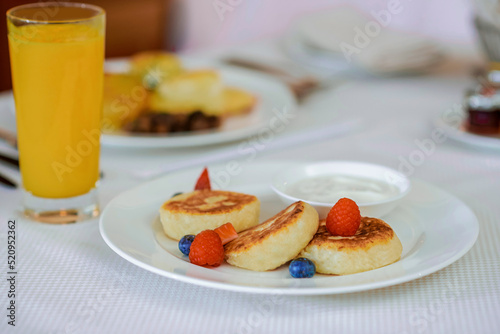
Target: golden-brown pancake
[191, 213]
[275, 241]
[190, 91]
[374, 245]
[153, 67]
[237, 101]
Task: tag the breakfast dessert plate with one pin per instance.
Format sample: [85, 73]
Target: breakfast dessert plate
[435, 229]
[272, 97]
[452, 125]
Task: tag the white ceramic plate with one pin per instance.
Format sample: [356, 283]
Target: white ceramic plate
[271, 94]
[452, 125]
[434, 227]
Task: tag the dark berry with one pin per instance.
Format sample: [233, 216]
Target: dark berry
[185, 244]
[302, 268]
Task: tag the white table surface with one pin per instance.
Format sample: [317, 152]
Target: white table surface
[70, 281]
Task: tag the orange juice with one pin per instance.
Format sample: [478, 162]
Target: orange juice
[57, 72]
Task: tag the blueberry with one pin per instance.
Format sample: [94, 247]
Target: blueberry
[177, 194]
[185, 243]
[302, 268]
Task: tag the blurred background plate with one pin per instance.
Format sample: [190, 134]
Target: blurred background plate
[453, 128]
[272, 96]
[341, 41]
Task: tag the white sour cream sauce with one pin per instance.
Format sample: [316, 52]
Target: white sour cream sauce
[331, 188]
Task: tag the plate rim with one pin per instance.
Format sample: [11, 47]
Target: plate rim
[283, 290]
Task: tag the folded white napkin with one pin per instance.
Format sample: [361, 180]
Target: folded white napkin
[367, 41]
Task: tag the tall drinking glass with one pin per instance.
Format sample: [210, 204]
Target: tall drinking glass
[57, 58]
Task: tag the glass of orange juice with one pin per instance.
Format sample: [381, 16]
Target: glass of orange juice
[57, 59]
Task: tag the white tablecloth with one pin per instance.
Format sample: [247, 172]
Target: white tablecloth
[70, 281]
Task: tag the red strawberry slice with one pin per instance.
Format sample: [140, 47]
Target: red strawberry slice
[203, 182]
[226, 233]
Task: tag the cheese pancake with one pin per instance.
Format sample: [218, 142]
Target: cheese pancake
[237, 101]
[374, 245]
[193, 212]
[190, 91]
[153, 67]
[275, 241]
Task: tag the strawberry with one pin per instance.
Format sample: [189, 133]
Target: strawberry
[226, 232]
[203, 181]
[206, 249]
[344, 218]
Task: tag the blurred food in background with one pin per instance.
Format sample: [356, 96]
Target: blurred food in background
[188, 92]
[154, 67]
[483, 109]
[482, 103]
[158, 95]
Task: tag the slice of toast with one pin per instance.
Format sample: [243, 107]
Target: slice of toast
[374, 245]
[275, 241]
[191, 213]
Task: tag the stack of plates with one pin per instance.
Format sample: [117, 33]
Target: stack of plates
[344, 39]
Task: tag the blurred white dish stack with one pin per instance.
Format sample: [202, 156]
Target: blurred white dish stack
[487, 24]
[343, 37]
